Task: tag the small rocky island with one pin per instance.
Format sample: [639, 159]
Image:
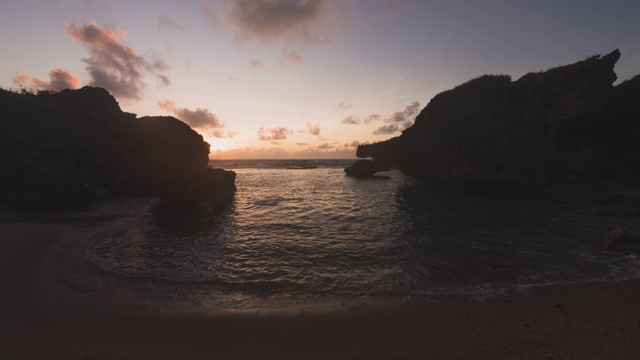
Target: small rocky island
[65, 149]
[565, 123]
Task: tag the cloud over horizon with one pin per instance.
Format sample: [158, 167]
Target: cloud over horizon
[112, 64]
[354, 144]
[200, 118]
[313, 129]
[386, 129]
[278, 152]
[325, 146]
[278, 133]
[59, 79]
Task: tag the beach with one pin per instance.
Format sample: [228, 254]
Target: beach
[584, 321]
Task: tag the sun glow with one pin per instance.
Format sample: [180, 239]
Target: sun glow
[217, 144]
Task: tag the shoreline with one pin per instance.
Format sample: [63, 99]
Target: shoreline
[583, 321]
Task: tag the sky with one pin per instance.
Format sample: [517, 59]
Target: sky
[274, 79]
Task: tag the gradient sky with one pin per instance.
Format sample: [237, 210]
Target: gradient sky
[299, 79]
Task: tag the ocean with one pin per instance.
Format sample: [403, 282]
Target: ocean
[297, 235]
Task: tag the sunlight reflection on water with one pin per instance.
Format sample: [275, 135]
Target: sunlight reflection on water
[318, 232]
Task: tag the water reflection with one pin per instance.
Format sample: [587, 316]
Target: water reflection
[319, 232]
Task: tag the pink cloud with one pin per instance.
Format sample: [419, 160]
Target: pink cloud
[224, 134]
[256, 64]
[291, 56]
[58, 80]
[22, 79]
[112, 64]
[200, 118]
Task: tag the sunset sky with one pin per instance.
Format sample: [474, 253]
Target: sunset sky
[298, 79]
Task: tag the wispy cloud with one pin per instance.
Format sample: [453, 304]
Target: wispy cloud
[352, 120]
[353, 144]
[256, 64]
[399, 120]
[288, 24]
[402, 116]
[112, 64]
[278, 133]
[290, 56]
[355, 120]
[325, 146]
[58, 80]
[200, 118]
[386, 129]
[344, 106]
[165, 22]
[222, 133]
[372, 117]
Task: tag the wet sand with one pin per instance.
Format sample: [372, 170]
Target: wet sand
[589, 321]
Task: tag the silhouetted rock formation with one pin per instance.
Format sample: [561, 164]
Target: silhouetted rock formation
[63, 149]
[366, 168]
[523, 134]
[619, 240]
[383, 154]
[621, 131]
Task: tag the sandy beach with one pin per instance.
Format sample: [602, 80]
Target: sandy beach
[587, 321]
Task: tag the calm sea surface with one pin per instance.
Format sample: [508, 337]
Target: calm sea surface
[312, 233]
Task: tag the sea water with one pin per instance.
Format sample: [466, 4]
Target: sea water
[302, 234]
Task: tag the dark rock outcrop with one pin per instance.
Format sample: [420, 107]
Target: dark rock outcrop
[621, 130]
[383, 154]
[367, 168]
[520, 135]
[619, 240]
[59, 150]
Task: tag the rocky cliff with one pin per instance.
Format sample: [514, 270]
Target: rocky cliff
[565, 122]
[64, 149]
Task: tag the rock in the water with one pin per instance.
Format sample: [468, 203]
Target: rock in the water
[203, 193]
[367, 168]
[518, 135]
[618, 240]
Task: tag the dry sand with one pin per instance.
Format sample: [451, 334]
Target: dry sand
[590, 321]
